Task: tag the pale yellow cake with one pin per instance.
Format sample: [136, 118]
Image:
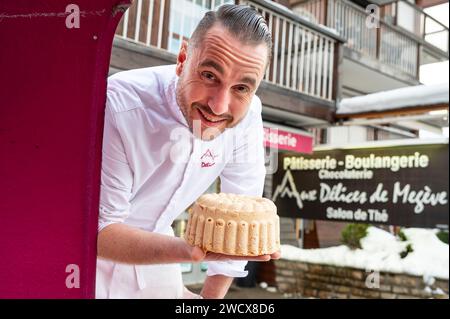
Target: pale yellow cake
[234, 225]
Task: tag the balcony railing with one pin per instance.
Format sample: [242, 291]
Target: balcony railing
[350, 22]
[164, 23]
[303, 59]
[398, 51]
[391, 43]
[413, 19]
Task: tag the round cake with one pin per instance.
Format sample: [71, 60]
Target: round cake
[233, 224]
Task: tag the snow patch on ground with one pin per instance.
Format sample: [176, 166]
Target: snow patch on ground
[381, 252]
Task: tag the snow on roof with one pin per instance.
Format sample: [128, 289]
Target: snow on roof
[381, 252]
[398, 98]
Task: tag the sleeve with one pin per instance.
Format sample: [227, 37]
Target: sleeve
[244, 174]
[116, 175]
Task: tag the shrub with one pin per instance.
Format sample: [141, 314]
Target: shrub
[401, 235]
[408, 249]
[352, 234]
[443, 236]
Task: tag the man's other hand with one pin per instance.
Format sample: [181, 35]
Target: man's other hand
[199, 255]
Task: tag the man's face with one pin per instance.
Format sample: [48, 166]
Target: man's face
[218, 80]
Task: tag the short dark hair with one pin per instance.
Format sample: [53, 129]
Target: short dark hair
[243, 22]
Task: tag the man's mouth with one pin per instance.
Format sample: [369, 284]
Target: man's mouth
[210, 120]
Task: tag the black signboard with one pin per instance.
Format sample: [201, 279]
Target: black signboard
[396, 185]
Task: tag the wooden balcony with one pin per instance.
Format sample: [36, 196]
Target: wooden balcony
[405, 38]
[413, 19]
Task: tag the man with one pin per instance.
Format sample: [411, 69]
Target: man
[150, 175]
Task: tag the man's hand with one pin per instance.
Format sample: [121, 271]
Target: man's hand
[217, 286]
[187, 294]
[130, 245]
[199, 255]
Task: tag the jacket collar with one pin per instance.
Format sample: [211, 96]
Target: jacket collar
[170, 91]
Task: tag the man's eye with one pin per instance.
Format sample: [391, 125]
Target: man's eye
[208, 76]
[242, 89]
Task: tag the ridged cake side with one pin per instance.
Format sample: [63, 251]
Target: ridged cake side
[233, 233]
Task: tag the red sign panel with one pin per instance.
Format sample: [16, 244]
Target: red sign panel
[288, 141]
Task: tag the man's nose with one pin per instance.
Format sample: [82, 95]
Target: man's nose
[219, 102]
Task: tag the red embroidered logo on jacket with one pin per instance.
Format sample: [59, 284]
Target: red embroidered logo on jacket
[208, 159]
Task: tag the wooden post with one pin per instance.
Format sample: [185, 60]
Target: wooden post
[419, 54]
[378, 42]
[311, 237]
[337, 67]
[396, 14]
[300, 231]
[166, 25]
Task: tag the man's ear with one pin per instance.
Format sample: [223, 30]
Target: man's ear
[182, 56]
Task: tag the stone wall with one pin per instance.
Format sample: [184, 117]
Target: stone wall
[324, 281]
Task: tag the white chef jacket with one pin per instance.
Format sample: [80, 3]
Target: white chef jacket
[153, 169]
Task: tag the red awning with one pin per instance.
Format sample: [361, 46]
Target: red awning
[287, 139]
